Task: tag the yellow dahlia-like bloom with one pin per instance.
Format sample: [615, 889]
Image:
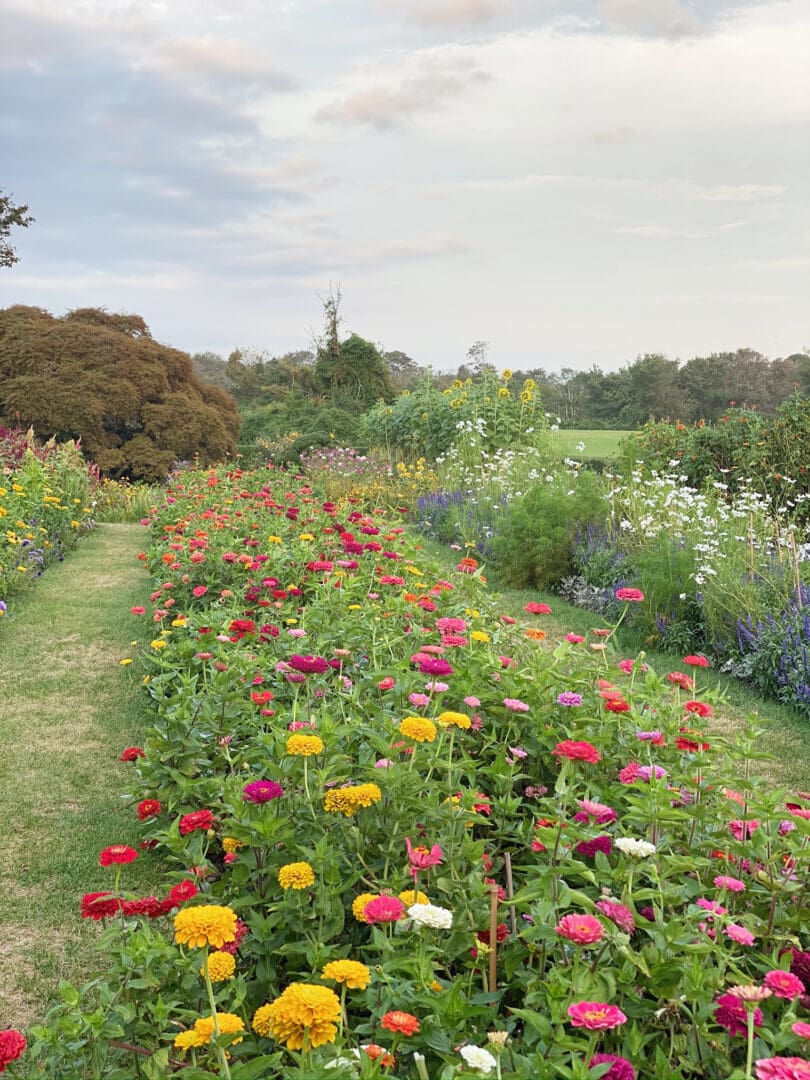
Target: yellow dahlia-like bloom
[347, 800]
[359, 905]
[304, 745]
[418, 728]
[304, 1010]
[221, 966]
[409, 898]
[208, 924]
[351, 972]
[480, 635]
[203, 1030]
[296, 875]
[454, 719]
[229, 844]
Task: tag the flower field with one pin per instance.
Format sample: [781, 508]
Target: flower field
[406, 834]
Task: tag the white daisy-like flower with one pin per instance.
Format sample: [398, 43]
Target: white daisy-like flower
[438, 918]
[476, 1057]
[639, 849]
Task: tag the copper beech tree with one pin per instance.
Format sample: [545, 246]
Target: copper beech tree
[137, 405]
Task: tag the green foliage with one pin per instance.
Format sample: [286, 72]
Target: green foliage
[136, 405]
[354, 373]
[534, 541]
[11, 216]
[284, 429]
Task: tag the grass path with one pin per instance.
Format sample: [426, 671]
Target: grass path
[68, 709]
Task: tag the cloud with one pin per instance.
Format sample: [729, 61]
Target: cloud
[383, 107]
[213, 64]
[670, 232]
[444, 12]
[657, 18]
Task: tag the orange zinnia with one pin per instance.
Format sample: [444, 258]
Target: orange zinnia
[401, 1022]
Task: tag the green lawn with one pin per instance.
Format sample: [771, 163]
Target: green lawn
[598, 444]
[68, 710]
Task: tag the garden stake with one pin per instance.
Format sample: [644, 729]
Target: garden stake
[493, 937]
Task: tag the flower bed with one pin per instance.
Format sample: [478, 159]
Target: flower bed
[407, 836]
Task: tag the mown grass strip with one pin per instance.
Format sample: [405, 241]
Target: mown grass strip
[68, 709]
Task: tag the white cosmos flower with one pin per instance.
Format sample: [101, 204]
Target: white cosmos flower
[476, 1057]
[438, 918]
[639, 849]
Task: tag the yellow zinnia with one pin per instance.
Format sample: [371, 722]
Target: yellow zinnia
[351, 972]
[231, 844]
[359, 905]
[208, 924]
[304, 745]
[303, 1011]
[454, 719]
[346, 800]
[221, 966]
[296, 875]
[203, 1030]
[410, 897]
[480, 635]
[418, 728]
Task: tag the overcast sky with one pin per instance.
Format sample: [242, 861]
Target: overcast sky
[575, 182]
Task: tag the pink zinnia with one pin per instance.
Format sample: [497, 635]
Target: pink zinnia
[595, 1015]
[629, 774]
[472, 702]
[723, 881]
[742, 830]
[782, 1068]
[619, 914]
[581, 929]
[422, 857]
[535, 608]
[575, 639]
[784, 984]
[418, 700]
[800, 1028]
[435, 666]
[731, 1014]
[515, 705]
[603, 814]
[383, 909]
[590, 847]
[577, 751]
[634, 596]
[739, 934]
[620, 1069]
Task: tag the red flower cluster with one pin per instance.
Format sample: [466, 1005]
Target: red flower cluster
[199, 819]
[149, 808]
[12, 1044]
[577, 751]
[117, 854]
[132, 753]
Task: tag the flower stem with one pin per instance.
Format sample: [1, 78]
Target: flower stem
[223, 1061]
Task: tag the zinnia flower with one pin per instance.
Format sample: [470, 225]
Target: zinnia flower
[221, 966]
[149, 808]
[569, 698]
[400, 1022]
[99, 905]
[634, 596]
[577, 751]
[209, 924]
[535, 608]
[581, 929]
[617, 705]
[782, 1068]
[731, 1014]
[422, 857]
[117, 854]
[308, 665]
[784, 984]
[297, 875]
[262, 791]
[619, 914]
[200, 819]
[620, 1069]
[303, 1010]
[739, 934]
[800, 1028]
[476, 1057]
[418, 728]
[347, 800]
[595, 1016]
[304, 745]
[515, 705]
[639, 849]
[12, 1045]
[359, 905]
[132, 753]
[454, 719]
[384, 909]
[723, 881]
[696, 661]
[438, 918]
[355, 975]
[699, 708]
[203, 1031]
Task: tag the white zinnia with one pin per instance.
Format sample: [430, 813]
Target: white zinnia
[430, 915]
[476, 1057]
[638, 848]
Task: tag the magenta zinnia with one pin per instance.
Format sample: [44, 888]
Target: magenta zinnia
[596, 1015]
[581, 929]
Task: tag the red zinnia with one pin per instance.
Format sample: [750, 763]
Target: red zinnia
[535, 608]
[401, 1022]
[617, 704]
[731, 1013]
[149, 808]
[680, 678]
[118, 853]
[200, 819]
[581, 929]
[132, 753]
[99, 905]
[12, 1044]
[629, 595]
[577, 751]
[182, 891]
[699, 708]
[696, 661]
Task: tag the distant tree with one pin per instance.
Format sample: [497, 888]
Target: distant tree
[351, 371]
[478, 357]
[137, 405]
[11, 216]
[213, 369]
[404, 370]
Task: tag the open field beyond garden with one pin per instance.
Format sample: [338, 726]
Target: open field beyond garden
[597, 443]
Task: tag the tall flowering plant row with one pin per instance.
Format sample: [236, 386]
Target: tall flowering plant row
[405, 834]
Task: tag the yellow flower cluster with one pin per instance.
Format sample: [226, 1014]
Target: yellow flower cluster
[203, 1030]
[304, 745]
[359, 905]
[221, 966]
[411, 897]
[304, 1010]
[296, 875]
[230, 844]
[480, 635]
[454, 719]
[348, 800]
[208, 924]
[418, 728]
[355, 975]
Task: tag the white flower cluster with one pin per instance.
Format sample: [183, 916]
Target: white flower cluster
[639, 849]
[438, 918]
[476, 1057]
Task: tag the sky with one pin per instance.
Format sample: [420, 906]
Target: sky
[575, 183]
